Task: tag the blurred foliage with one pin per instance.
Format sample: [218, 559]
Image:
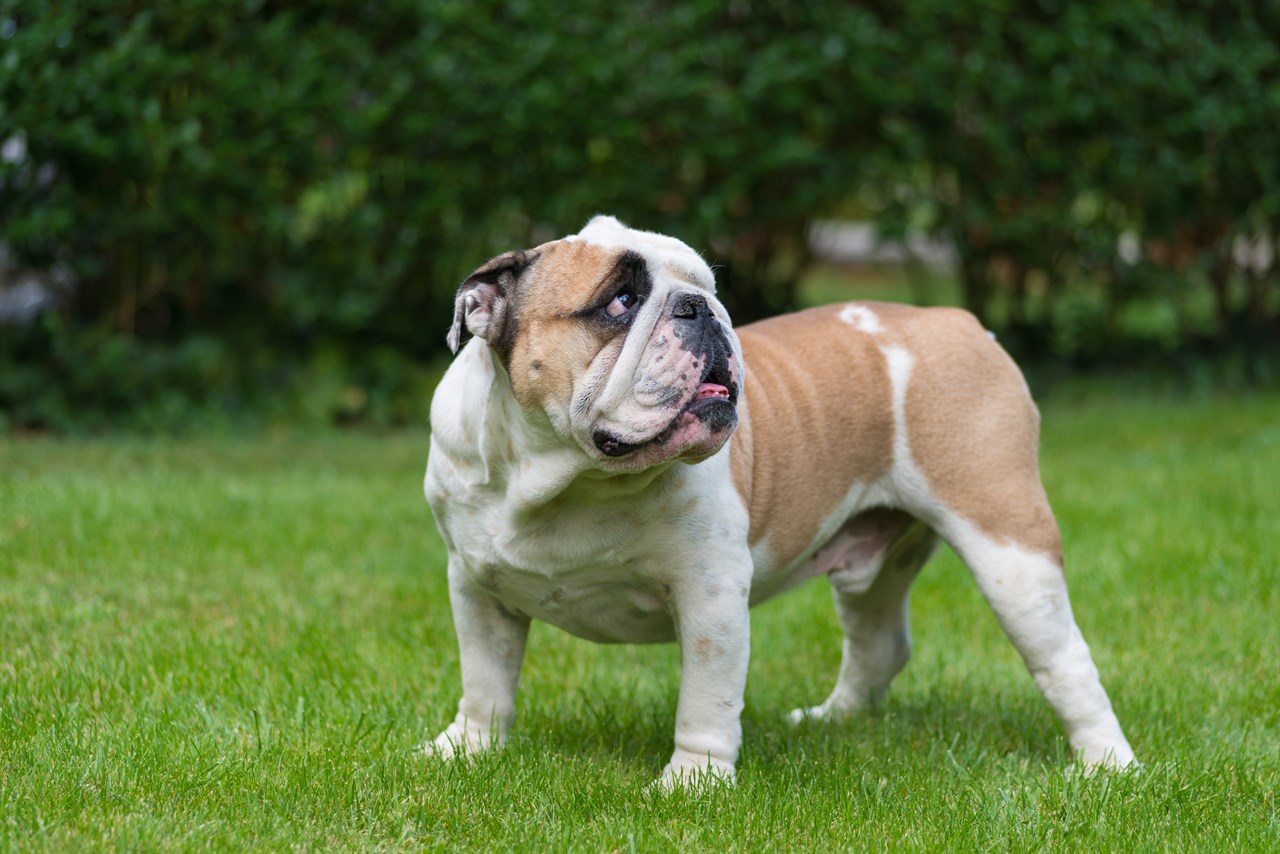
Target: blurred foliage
[267, 206]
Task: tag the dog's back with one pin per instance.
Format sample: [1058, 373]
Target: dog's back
[877, 394]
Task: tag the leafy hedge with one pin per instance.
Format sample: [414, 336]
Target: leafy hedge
[251, 197]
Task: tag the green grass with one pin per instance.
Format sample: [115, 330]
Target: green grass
[237, 643]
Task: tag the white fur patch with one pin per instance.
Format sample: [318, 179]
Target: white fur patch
[662, 252]
[1028, 593]
[862, 319]
[909, 482]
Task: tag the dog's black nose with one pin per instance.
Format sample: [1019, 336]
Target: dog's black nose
[689, 306]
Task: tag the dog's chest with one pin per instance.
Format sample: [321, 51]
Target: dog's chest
[600, 572]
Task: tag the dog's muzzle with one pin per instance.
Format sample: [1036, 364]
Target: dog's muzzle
[714, 399]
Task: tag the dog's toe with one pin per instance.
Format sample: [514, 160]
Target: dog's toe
[824, 712]
[805, 713]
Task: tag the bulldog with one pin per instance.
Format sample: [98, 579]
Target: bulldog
[610, 456]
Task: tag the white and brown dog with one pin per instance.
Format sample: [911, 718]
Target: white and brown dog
[582, 472]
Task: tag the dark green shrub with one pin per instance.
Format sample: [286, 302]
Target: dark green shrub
[264, 203]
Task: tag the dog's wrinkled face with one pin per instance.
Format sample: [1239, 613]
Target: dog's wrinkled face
[616, 335]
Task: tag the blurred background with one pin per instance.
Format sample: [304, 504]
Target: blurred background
[251, 213]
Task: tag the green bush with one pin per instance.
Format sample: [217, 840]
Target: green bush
[251, 196]
[1043, 134]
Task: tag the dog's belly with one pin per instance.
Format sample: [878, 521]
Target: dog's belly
[601, 604]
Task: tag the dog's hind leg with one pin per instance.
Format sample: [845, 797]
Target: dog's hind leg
[871, 563]
[966, 443]
[1027, 590]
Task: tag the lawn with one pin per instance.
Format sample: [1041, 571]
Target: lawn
[238, 642]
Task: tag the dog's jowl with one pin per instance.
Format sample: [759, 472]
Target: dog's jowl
[610, 456]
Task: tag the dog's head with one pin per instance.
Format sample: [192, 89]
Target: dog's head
[617, 337]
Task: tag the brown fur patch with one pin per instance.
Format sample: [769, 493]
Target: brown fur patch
[972, 427]
[821, 419]
[703, 648]
[742, 452]
[552, 347]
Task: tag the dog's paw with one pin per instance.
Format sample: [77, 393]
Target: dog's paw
[692, 773]
[460, 741]
[1108, 759]
[824, 712]
[795, 717]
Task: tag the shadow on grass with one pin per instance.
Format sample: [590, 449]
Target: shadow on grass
[964, 731]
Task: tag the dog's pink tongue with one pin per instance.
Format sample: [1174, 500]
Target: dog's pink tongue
[711, 390]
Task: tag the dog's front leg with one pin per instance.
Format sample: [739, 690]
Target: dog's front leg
[713, 628]
[491, 643]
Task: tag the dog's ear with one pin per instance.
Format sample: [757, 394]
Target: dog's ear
[484, 300]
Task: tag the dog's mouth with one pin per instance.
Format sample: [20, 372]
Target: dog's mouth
[714, 403]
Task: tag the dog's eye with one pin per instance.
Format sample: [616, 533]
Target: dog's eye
[621, 304]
